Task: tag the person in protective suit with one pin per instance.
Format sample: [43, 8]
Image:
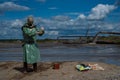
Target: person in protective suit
[31, 53]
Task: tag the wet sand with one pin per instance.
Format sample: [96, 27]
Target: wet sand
[67, 71]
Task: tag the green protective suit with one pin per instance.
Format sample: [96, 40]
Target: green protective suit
[31, 53]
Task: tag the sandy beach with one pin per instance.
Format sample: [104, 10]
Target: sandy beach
[67, 71]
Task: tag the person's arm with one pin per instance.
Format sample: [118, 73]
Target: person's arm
[41, 31]
[29, 32]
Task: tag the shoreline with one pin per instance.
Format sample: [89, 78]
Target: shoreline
[13, 71]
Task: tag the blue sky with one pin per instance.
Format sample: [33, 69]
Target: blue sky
[59, 17]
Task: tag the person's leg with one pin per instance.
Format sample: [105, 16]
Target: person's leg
[35, 67]
[25, 66]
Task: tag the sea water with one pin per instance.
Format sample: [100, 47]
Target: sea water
[107, 53]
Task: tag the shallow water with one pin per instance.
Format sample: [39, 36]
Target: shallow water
[67, 52]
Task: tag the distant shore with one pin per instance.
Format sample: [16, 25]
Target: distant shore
[67, 71]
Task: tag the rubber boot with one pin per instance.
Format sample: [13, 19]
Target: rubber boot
[35, 67]
[25, 67]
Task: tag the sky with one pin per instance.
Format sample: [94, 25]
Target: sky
[59, 17]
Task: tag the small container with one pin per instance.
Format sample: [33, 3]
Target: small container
[56, 66]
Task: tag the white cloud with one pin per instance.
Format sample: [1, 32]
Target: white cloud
[81, 16]
[100, 11]
[52, 32]
[10, 6]
[16, 23]
[3, 32]
[11, 28]
[109, 26]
